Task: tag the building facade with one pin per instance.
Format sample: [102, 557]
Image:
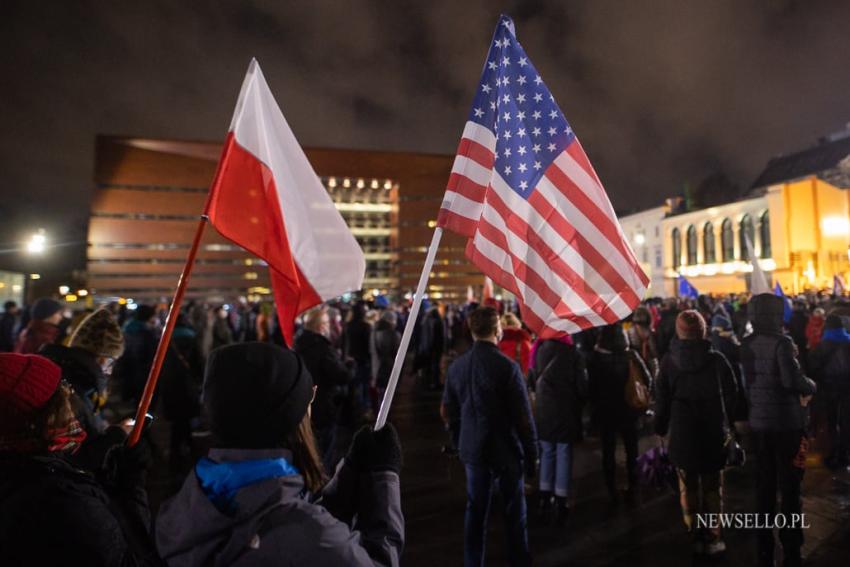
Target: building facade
[646, 237]
[149, 194]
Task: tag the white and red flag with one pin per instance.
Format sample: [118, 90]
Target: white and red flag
[537, 217]
[267, 198]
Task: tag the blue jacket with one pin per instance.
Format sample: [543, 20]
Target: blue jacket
[488, 410]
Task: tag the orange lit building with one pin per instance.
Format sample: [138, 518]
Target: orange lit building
[149, 195]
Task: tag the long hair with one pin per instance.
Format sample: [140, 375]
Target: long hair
[306, 456]
[35, 432]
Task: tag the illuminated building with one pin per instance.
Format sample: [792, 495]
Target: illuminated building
[149, 195]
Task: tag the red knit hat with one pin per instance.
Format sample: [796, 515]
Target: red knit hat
[690, 325]
[27, 381]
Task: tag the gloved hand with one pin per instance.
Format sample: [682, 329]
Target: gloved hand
[375, 451]
[530, 468]
[126, 467]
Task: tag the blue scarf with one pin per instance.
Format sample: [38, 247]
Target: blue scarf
[221, 481]
[839, 335]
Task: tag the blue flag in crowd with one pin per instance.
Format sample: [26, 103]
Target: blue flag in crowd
[786, 314]
[686, 289]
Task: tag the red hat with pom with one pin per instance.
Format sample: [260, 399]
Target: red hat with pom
[27, 381]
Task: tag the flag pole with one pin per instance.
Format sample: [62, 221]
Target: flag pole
[165, 339]
[408, 330]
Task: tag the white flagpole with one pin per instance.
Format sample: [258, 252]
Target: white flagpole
[408, 330]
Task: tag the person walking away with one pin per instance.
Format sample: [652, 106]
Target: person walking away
[180, 384]
[515, 342]
[222, 334]
[486, 408]
[264, 322]
[9, 326]
[724, 341]
[258, 498]
[778, 393]
[561, 388]
[386, 343]
[43, 327]
[815, 328]
[642, 339]
[608, 372]
[666, 329]
[140, 341]
[357, 336]
[829, 363]
[330, 375]
[52, 512]
[695, 386]
[431, 346]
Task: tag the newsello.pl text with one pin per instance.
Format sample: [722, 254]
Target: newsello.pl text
[746, 521]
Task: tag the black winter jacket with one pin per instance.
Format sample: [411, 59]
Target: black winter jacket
[607, 374]
[829, 363]
[689, 404]
[729, 347]
[561, 387]
[54, 514]
[773, 375]
[328, 372]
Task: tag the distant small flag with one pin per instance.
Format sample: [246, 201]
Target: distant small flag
[487, 291]
[838, 285]
[470, 294]
[786, 303]
[686, 289]
[758, 281]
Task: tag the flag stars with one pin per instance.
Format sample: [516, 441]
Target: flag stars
[538, 80]
[523, 61]
[536, 149]
[520, 98]
[568, 131]
[478, 113]
[536, 115]
[522, 167]
[551, 147]
[486, 88]
[521, 151]
[523, 185]
[552, 131]
[506, 98]
[498, 81]
[505, 61]
[538, 97]
[498, 43]
[520, 132]
[491, 65]
[507, 170]
[553, 114]
[521, 79]
[535, 131]
[537, 166]
[507, 152]
[520, 115]
[492, 105]
[506, 80]
[506, 116]
[507, 136]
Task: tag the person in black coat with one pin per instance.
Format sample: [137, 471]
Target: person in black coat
[779, 394]
[9, 326]
[608, 371]
[356, 339]
[330, 375]
[51, 512]
[724, 341]
[561, 388]
[140, 341]
[829, 363]
[694, 387]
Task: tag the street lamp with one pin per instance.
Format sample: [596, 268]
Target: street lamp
[37, 242]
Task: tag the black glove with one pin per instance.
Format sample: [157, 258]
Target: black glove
[126, 467]
[375, 451]
[530, 468]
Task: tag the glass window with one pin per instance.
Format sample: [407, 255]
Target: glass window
[677, 248]
[709, 256]
[692, 245]
[747, 230]
[764, 235]
[727, 240]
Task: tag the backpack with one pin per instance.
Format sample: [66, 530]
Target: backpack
[637, 384]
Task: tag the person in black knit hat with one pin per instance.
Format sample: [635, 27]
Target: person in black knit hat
[260, 496]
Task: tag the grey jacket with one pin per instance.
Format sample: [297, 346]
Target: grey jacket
[275, 522]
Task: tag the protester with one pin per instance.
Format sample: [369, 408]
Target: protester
[608, 370]
[43, 327]
[695, 386]
[515, 342]
[724, 341]
[140, 341]
[222, 334]
[829, 363]
[778, 393]
[386, 342]
[9, 326]
[52, 513]
[430, 347]
[330, 375]
[263, 322]
[253, 500]
[486, 408]
[560, 380]
[814, 328]
[356, 341]
[642, 340]
[666, 329]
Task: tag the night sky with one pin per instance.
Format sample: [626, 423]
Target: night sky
[660, 93]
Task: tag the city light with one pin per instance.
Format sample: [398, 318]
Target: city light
[640, 239]
[82, 292]
[37, 242]
[64, 290]
[35, 276]
[70, 298]
[835, 226]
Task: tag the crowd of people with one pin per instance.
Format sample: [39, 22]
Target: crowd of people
[282, 477]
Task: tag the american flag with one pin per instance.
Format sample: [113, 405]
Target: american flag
[537, 217]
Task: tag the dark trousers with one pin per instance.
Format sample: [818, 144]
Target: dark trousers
[627, 431]
[480, 481]
[838, 423]
[781, 461]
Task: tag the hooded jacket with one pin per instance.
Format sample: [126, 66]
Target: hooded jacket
[328, 372]
[272, 521]
[773, 375]
[561, 390]
[690, 407]
[516, 345]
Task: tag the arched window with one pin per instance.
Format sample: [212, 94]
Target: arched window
[709, 255]
[692, 245]
[746, 230]
[764, 235]
[727, 241]
[677, 248]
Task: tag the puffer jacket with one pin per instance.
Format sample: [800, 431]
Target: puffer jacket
[772, 373]
[690, 407]
[561, 390]
[273, 521]
[516, 345]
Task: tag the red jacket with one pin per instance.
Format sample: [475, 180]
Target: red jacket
[516, 345]
[37, 334]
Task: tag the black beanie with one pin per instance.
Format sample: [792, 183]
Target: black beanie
[255, 394]
[45, 308]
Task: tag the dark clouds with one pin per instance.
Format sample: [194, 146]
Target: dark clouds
[660, 93]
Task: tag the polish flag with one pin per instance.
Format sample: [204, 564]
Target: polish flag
[267, 199]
